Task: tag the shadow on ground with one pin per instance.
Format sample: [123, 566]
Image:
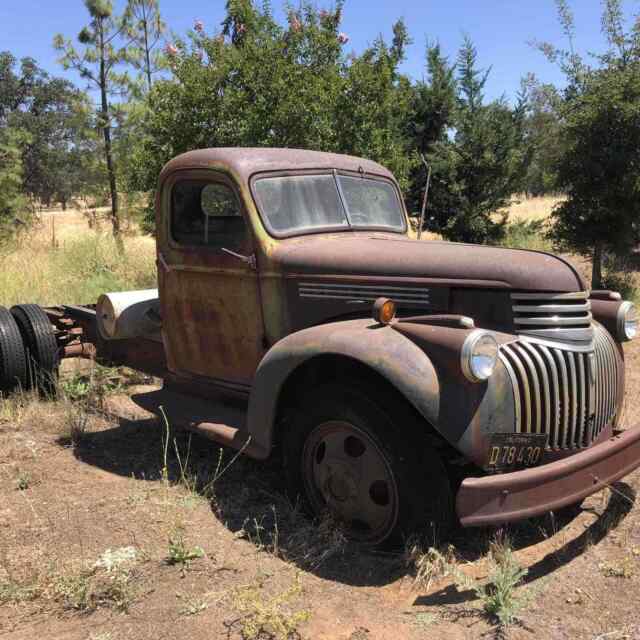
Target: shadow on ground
[249, 499]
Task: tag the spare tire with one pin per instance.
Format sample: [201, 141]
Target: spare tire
[41, 347]
[13, 364]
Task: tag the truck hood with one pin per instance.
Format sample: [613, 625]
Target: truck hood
[392, 256]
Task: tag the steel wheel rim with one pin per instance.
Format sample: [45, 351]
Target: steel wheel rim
[345, 472]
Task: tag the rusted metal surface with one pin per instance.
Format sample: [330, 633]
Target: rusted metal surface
[605, 311]
[514, 496]
[381, 348]
[245, 162]
[389, 255]
[79, 350]
[215, 418]
[77, 337]
[210, 301]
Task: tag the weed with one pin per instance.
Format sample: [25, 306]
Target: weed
[73, 589]
[17, 592]
[268, 617]
[107, 582]
[23, 481]
[498, 592]
[90, 389]
[179, 552]
[428, 565]
[622, 569]
[75, 422]
[192, 604]
[424, 620]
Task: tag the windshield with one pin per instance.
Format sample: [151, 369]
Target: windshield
[294, 204]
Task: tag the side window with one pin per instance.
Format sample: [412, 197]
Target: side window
[206, 214]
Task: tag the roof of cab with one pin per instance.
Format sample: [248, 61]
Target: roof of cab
[245, 161]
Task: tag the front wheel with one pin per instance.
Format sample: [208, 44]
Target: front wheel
[376, 474]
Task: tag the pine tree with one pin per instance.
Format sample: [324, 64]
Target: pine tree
[96, 62]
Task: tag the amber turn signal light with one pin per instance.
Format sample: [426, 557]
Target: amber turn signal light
[384, 310]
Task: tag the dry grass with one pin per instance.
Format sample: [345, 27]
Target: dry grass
[523, 208]
[268, 617]
[64, 261]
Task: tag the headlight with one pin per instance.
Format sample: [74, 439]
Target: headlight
[627, 321]
[479, 355]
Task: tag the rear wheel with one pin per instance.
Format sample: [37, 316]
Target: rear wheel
[13, 367]
[369, 464]
[40, 345]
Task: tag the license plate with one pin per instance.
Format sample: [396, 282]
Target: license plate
[511, 451]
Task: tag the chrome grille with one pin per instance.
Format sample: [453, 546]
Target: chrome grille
[571, 396]
[564, 317]
[402, 296]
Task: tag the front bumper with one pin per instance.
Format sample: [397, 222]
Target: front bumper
[494, 500]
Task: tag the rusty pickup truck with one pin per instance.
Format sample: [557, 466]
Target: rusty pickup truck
[404, 384]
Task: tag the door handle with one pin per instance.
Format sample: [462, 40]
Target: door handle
[250, 260]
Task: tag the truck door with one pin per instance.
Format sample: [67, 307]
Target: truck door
[210, 300]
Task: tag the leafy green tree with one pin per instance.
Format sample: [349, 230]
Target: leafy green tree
[96, 60]
[13, 204]
[145, 29]
[310, 94]
[373, 107]
[542, 133]
[61, 133]
[431, 117]
[479, 163]
[599, 167]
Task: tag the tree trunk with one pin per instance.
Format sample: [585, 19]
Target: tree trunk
[146, 48]
[106, 129]
[596, 273]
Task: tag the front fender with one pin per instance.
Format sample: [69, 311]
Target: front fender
[462, 412]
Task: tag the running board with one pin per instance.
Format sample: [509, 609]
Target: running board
[214, 419]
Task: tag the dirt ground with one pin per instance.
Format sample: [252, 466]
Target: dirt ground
[62, 506]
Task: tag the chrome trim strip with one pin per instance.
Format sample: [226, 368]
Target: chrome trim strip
[554, 435]
[401, 295]
[533, 376]
[369, 287]
[509, 349]
[552, 308]
[577, 295]
[516, 390]
[565, 396]
[561, 338]
[555, 321]
[573, 384]
[582, 397]
[545, 385]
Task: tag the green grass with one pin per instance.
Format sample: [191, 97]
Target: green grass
[76, 271]
[527, 234]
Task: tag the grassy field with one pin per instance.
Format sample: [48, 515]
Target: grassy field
[64, 261]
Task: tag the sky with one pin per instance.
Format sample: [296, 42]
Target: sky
[502, 30]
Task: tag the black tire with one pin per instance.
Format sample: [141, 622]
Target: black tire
[13, 365]
[40, 344]
[416, 483]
